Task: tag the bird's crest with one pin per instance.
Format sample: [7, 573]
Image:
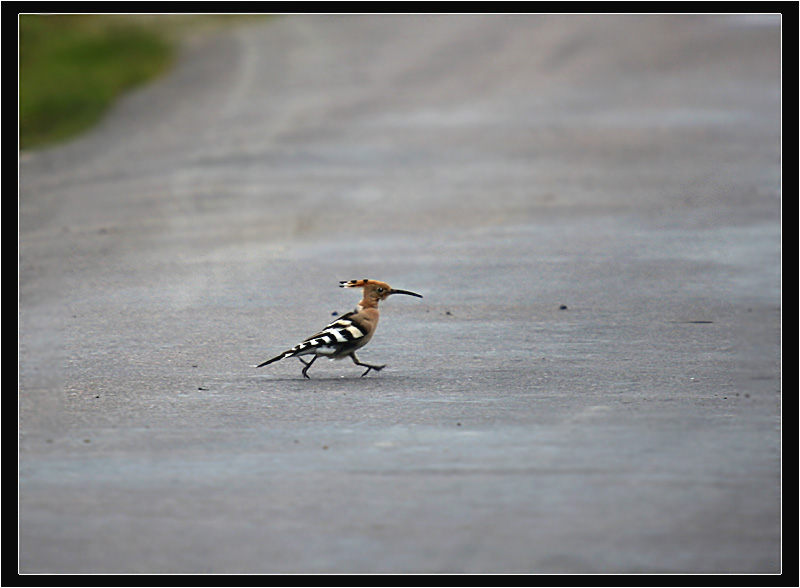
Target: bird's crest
[354, 283]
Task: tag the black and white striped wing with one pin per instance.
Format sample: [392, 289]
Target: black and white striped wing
[339, 338]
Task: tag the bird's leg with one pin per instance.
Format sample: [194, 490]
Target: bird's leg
[369, 367]
[308, 365]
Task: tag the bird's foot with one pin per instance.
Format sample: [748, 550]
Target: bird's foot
[377, 368]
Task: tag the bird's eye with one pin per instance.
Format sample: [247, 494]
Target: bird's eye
[380, 290]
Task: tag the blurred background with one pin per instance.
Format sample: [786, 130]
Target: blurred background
[73, 66]
[590, 205]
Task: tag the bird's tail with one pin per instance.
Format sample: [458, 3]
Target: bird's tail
[274, 359]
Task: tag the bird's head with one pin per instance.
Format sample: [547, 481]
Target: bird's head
[375, 291]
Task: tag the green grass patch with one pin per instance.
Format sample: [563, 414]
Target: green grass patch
[73, 67]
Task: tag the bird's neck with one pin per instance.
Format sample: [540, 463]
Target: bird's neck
[368, 303]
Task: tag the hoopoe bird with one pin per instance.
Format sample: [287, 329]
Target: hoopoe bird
[350, 332]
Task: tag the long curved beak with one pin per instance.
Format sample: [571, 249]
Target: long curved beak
[394, 291]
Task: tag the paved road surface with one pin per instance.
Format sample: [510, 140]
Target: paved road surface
[626, 168]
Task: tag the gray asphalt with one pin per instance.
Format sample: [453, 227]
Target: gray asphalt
[590, 206]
